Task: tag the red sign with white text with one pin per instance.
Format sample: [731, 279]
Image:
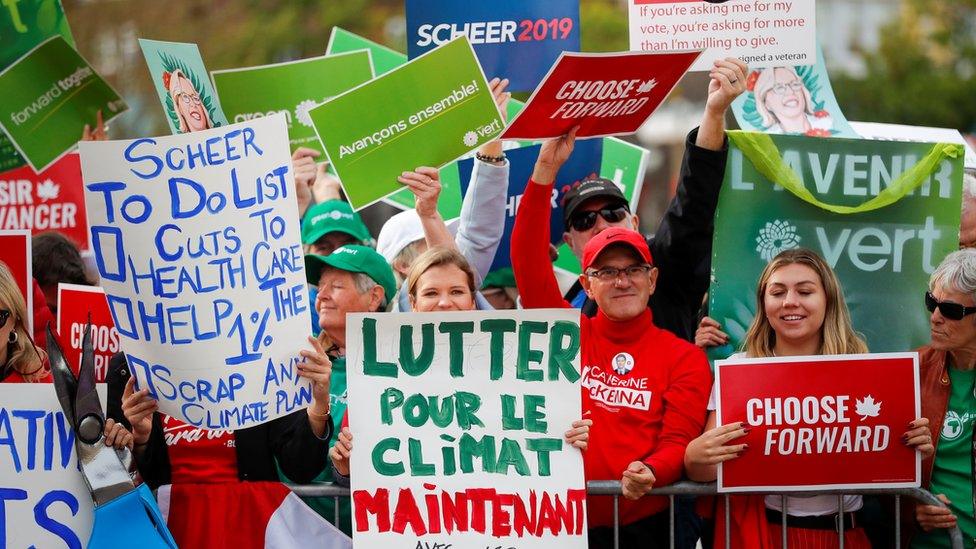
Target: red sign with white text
[53, 200]
[820, 422]
[604, 93]
[75, 303]
[15, 253]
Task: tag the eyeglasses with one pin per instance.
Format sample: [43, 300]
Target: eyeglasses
[610, 274]
[4, 315]
[780, 89]
[582, 221]
[950, 310]
[189, 99]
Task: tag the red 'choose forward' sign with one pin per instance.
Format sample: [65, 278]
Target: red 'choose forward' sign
[820, 421]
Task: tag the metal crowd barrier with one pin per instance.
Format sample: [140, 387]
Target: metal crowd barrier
[611, 488]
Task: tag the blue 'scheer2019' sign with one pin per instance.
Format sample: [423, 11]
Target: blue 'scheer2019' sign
[514, 39]
[196, 239]
[583, 163]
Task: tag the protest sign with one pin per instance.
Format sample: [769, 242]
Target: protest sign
[292, 89]
[180, 78]
[50, 93]
[583, 163]
[15, 253]
[76, 306]
[51, 200]
[384, 58]
[459, 422]
[882, 214]
[24, 25]
[603, 93]
[820, 422]
[514, 39]
[763, 33]
[440, 101]
[46, 500]
[792, 100]
[917, 134]
[196, 239]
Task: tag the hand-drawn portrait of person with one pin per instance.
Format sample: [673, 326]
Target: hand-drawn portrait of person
[187, 102]
[786, 105]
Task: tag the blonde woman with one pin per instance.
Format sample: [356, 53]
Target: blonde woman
[20, 360]
[800, 311]
[785, 104]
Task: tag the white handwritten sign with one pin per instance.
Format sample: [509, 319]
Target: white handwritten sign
[43, 496]
[196, 239]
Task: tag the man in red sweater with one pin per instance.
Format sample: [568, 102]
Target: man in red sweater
[645, 389]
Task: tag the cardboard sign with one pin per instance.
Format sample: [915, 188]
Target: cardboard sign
[583, 163]
[292, 89]
[50, 93]
[820, 422]
[792, 100]
[459, 422]
[763, 33]
[180, 78]
[603, 93]
[514, 39]
[76, 305]
[196, 239]
[384, 58]
[882, 214]
[915, 134]
[24, 25]
[425, 113]
[52, 200]
[46, 501]
[15, 253]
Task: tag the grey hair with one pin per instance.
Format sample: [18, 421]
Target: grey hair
[364, 284]
[968, 189]
[957, 273]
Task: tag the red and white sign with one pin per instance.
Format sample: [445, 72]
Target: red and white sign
[820, 422]
[15, 252]
[53, 200]
[604, 93]
[75, 303]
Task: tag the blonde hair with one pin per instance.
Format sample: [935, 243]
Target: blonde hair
[837, 335]
[436, 257]
[765, 84]
[21, 354]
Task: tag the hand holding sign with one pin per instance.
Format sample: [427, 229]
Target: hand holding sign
[712, 448]
[317, 368]
[341, 452]
[728, 82]
[552, 156]
[138, 408]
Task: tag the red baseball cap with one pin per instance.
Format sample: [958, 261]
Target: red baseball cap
[615, 235]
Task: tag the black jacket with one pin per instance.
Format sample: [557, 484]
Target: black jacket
[289, 439]
[682, 246]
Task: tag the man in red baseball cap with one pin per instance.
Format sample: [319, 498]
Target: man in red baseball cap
[645, 389]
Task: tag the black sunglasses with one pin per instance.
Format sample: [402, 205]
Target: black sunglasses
[950, 310]
[582, 221]
[4, 315]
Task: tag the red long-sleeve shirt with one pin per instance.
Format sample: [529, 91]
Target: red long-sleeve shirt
[646, 390]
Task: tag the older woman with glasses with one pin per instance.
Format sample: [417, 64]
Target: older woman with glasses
[947, 378]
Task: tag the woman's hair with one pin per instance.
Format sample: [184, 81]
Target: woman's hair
[765, 84]
[436, 257]
[956, 273]
[837, 335]
[21, 354]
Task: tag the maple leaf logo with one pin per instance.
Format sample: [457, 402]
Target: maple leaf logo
[646, 87]
[867, 407]
[48, 190]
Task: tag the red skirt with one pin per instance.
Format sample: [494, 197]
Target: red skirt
[804, 538]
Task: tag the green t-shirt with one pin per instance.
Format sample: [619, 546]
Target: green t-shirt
[953, 470]
[326, 506]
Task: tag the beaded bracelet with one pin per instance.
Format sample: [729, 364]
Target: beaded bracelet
[491, 159]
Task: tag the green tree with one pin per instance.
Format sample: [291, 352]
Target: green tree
[924, 71]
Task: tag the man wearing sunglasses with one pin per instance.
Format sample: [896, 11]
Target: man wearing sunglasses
[682, 244]
[947, 378]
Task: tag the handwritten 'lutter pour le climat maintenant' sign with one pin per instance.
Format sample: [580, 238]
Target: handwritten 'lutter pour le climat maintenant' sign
[196, 239]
